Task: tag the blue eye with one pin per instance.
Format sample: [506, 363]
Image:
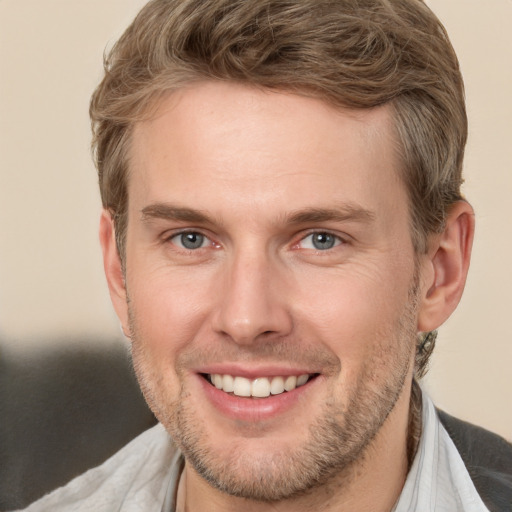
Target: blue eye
[320, 241]
[190, 240]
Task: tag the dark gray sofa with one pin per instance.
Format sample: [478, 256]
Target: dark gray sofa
[63, 410]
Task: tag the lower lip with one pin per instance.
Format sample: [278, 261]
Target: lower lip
[255, 410]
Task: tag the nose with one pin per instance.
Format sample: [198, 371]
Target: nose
[252, 303]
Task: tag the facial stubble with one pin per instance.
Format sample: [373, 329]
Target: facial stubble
[337, 441]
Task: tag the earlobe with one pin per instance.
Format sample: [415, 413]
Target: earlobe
[448, 263]
[113, 269]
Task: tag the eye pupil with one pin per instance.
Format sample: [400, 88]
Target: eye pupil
[323, 241]
[192, 240]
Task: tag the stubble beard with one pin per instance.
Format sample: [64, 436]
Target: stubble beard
[337, 441]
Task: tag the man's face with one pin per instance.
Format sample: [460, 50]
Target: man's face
[268, 242]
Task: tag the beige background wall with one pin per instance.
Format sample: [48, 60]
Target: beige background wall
[51, 282]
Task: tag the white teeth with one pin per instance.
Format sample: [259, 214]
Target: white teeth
[261, 387]
[217, 381]
[277, 386]
[228, 383]
[242, 386]
[302, 379]
[290, 383]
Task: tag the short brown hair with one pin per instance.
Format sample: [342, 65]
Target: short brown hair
[350, 53]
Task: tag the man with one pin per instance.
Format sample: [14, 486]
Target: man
[283, 232]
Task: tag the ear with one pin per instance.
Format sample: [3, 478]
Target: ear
[113, 270]
[445, 268]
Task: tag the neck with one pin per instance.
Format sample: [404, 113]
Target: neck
[376, 478]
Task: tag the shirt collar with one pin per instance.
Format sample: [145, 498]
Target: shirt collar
[438, 480]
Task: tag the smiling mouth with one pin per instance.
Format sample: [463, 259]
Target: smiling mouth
[261, 387]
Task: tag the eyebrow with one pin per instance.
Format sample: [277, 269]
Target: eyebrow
[167, 211]
[344, 213]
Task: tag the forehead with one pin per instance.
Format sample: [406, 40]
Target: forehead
[216, 141]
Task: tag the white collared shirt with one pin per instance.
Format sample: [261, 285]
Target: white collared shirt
[142, 477]
[438, 480]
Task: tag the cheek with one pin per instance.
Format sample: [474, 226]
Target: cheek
[354, 311]
[168, 308]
